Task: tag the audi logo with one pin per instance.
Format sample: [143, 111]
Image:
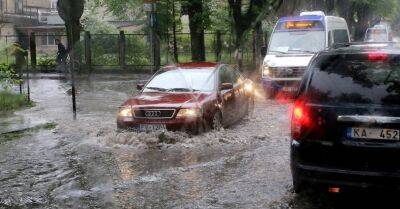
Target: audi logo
[152, 114]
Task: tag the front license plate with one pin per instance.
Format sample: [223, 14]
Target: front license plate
[290, 89]
[150, 127]
[374, 133]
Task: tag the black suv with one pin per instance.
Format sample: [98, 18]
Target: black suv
[346, 120]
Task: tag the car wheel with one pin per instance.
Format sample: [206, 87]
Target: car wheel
[217, 121]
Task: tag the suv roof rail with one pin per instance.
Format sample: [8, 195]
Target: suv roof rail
[343, 45]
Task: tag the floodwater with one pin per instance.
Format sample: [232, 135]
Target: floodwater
[88, 164]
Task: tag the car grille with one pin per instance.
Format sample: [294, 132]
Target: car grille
[155, 113]
[283, 72]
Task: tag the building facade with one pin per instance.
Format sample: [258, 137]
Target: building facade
[19, 18]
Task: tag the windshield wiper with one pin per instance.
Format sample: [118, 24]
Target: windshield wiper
[183, 90]
[156, 88]
[280, 52]
[300, 50]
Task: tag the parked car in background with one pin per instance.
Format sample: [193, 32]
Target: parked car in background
[189, 97]
[346, 120]
[293, 43]
[378, 33]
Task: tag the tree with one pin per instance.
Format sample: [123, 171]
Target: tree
[361, 14]
[246, 16]
[168, 19]
[71, 12]
[94, 20]
[195, 9]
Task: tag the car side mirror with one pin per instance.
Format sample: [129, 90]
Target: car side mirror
[140, 86]
[226, 86]
[264, 51]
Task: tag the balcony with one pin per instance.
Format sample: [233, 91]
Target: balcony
[31, 16]
[49, 17]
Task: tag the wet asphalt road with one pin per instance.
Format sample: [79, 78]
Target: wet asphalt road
[87, 164]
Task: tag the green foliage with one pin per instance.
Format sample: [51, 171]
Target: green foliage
[47, 61]
[137, 50]
[4, 51]
[10, 101]
[94, 22]
[8, 76]
[220, 19]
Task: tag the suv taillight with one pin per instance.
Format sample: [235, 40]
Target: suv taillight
[307, 122]
[300, 119]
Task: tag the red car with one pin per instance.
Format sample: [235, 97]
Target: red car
[191, 97]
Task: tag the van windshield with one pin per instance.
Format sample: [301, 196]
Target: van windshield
[297, 42]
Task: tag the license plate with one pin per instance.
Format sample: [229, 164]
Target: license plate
[289, 89]
[150, 127]
[374, 133]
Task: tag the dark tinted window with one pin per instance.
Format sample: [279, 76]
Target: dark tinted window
[226, 75]
[340, 36]
[355, 79]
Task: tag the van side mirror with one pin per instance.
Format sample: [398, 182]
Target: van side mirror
[264, 50]
[140, 86]
[226, 86]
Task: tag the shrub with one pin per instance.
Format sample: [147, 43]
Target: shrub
[10, 101]
[47, 62]
[8, 76]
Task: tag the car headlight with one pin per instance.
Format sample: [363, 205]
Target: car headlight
[126, 112]
[266, 71]
[248, 87]
[189, 113]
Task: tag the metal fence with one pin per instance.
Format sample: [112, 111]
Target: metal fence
[126, 51]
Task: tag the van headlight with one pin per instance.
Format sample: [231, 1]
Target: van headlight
[189, 113]
[126, 112]
[266, 71]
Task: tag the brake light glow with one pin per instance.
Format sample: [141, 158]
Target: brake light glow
[378, 56]
[300, 115]
[304, 122]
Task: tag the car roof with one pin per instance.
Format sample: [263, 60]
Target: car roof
[191, 65]
[364, 47]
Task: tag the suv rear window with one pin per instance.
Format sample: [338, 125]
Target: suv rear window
[356, 78]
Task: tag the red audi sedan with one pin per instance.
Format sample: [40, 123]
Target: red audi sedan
[188, 97]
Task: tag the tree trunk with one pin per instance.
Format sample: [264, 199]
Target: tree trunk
[258, 43]
[196, 25]
[239, 48]
[363, 16]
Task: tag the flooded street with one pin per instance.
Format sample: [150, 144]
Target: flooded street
[88, 164]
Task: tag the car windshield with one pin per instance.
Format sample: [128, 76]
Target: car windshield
[353, 79]
[299, 41]
[183, 80]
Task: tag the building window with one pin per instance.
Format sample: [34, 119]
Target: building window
[19, 6]
[54, 4]
[48, 39]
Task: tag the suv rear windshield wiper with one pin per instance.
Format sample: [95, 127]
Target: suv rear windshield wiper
[183, 90]
[156, 88]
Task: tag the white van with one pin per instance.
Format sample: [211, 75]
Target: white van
[294, 41]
